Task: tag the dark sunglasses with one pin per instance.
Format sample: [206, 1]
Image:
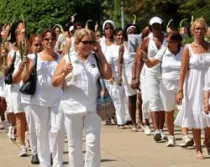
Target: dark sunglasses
[48, 39]
[37, 44]
[88, 42]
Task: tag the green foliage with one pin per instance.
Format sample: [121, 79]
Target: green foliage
[41, 14]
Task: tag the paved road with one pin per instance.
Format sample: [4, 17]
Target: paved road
[120, 148]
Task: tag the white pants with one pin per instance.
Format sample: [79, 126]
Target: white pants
[117, 94]
[57, 134]
[91, 123]
[30, 118]
[153, 92]
[41, 117]
[145, 102]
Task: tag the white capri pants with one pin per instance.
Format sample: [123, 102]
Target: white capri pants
[91, 123]
[153, 92]
[168, 98]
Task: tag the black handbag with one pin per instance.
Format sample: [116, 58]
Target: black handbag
[8, 77]
[29, 87]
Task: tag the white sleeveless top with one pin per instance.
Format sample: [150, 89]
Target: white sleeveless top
[81, 91]
[14, 88]
[46, 94]
[152, 51]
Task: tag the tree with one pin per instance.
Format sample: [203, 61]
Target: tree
[40, 14]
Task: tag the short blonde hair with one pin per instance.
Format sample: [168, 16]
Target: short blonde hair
[199, 20]
[81, 33]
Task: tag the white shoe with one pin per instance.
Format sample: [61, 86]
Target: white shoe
[186, 141]
[157, 136]
[12, 135]
[163, 136]
[147, 130]
[9, 131]
[23, 151]
[171, 141]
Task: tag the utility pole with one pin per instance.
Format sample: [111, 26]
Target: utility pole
[122, 15]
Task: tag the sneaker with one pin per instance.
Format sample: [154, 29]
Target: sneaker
[163, 136]
[171, 141]
[186, 141]
[157, 136]
[35, 160]
[147, 130]
[23, 151]
[11, 133]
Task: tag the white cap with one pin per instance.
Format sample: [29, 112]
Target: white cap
[108, 21]
[71, 28]
[154, 20]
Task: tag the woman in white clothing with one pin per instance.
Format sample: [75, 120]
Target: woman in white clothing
[34, 46]
[117, 91]
[195, 63]
[125, 62]
[43, 105]
[106, 42]
[13, 95]
[170, 63]
[78, 73]
[154, 42]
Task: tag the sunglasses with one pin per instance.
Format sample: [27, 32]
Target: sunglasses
[88, 42]
[48, 39]
[37, 44]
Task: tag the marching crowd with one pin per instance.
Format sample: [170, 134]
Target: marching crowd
[154, 79]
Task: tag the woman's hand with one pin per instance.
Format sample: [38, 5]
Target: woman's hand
[23, 63]
[206, 108]
[67, 68]
[135, 83]
[179, 97]
[97, 48]
[120, 81]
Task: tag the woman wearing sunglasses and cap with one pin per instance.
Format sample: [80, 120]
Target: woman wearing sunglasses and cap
[151, 45]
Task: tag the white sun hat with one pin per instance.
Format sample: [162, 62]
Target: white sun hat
[154, 20]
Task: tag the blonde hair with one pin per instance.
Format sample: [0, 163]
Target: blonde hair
[81, 33]
[199, 20]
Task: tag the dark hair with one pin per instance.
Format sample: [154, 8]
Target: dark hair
[31, 40]
[117, 30]
[175, 36]
[48, 30]
[126, 29]
[13, 30]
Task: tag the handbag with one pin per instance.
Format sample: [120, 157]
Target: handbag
[8, 77]
[29, 87]
[105, 105]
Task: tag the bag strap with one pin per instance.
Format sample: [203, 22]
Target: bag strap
[97, 62]
[35, 64]
[14, 58]
[162, 60]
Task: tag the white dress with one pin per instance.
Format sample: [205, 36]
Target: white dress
[192, 112]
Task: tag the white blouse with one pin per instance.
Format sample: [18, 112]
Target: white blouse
[81, 88]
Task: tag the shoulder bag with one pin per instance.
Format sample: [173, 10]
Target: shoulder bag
[8, 77]
[29, 87]
[105, 105]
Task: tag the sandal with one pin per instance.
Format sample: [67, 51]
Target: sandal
[140, 126]
[134, 129]
[200, 157]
